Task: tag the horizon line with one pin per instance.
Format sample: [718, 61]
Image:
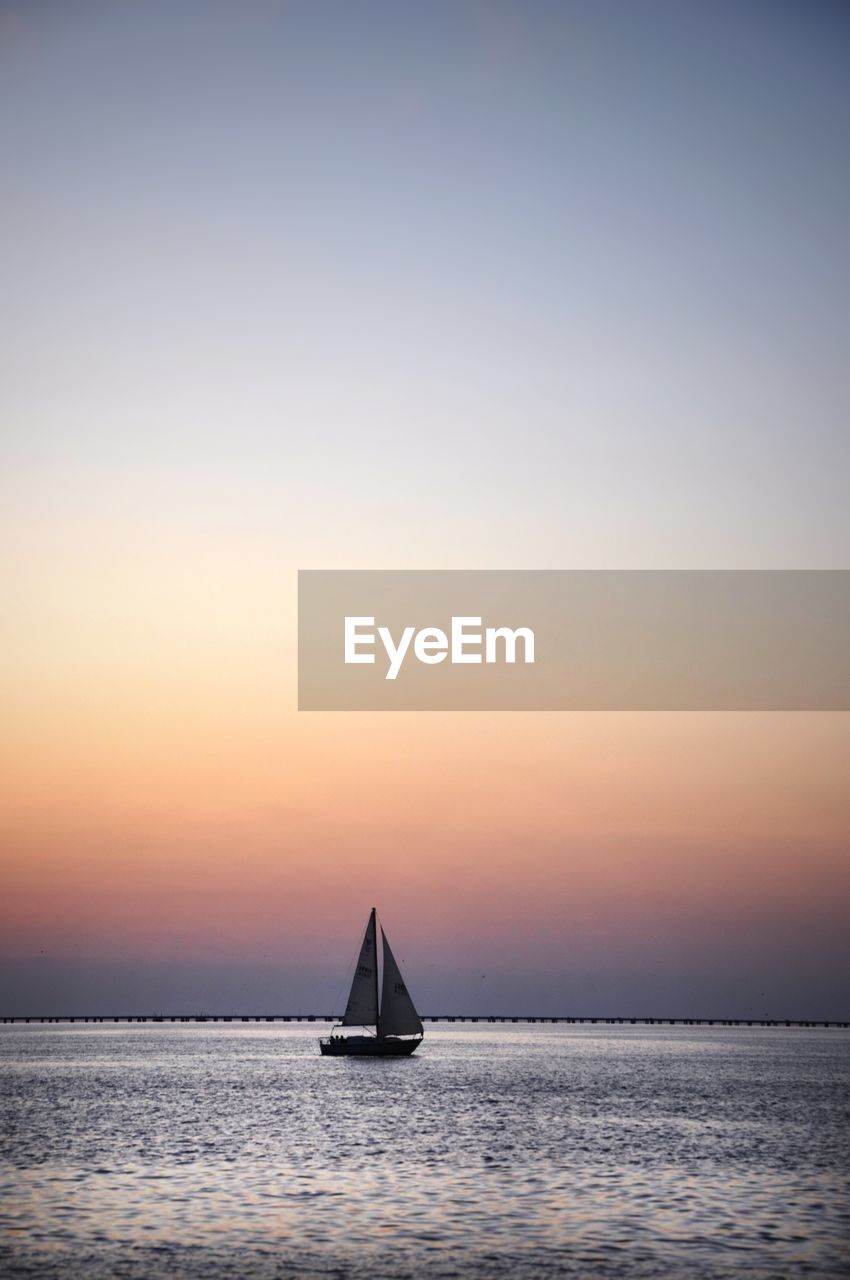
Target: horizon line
[570, 1019]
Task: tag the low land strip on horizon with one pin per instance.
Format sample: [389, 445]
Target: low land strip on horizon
[432, 1017]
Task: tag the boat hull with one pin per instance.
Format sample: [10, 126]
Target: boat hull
[368, 1046]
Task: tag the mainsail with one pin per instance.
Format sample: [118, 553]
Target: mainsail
[362, 1007]
[398, 1016]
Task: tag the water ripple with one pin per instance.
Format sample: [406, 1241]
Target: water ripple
[214, 1152]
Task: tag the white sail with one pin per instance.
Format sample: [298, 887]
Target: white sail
[362, 1007]
[398, 1016]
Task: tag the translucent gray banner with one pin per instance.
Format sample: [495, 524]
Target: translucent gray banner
[540, 640]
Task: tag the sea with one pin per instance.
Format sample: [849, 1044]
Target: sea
[235, 1150]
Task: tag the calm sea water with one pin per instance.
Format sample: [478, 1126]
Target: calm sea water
[231, 1150]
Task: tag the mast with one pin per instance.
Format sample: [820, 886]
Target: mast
[375, 946]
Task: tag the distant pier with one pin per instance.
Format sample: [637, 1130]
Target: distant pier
[432, 1017]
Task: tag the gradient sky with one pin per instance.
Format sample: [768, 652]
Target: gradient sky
[464, 285]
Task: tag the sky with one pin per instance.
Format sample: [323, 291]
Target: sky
[458, 285]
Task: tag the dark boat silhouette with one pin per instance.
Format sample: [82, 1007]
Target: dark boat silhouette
[398, 1027]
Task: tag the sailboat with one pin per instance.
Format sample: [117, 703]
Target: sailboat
[398, 1027]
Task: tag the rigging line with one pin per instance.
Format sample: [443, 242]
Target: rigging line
[345, 981]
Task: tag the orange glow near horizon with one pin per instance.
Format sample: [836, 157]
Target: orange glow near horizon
[165, 802]
[141, 823]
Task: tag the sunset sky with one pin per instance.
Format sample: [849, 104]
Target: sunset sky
[451, 285]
